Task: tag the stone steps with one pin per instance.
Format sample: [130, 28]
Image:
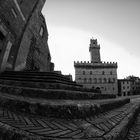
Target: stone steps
[111, 125]
[51, 93]
[37, 77]
[59, 108]
[43, 80]
[32, 108]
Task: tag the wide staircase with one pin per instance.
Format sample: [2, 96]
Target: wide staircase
[47, 105]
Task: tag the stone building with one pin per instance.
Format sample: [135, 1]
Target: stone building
[97, 74]
[124, 87]
[129, 86]
[23, 36]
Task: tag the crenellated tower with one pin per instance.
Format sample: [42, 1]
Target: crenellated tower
[94, 50]
[96, 73]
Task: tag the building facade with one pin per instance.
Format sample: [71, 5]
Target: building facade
[124, 87]
[23, 36]
[97, 74]
[129, 86]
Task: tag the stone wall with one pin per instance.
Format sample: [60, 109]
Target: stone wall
[25, 22]
[105, 79]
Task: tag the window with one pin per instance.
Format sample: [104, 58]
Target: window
[100, 80]
[2, 37]
[41, 31]
[14, 12]
[90, 72]
[109, 80]
[123, 93]
[105, 80]
[114, 80]
[49, 57]
[95, 80]
[103, 73]
[123, 87]
[90, 80]
[83, 72]
[85, 80]
[111, 73]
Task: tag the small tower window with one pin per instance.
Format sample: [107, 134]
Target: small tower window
[41, 31]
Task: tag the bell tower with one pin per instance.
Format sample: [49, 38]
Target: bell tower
[94, 50]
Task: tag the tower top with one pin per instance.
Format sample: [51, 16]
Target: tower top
[94, 43]
[94, 50]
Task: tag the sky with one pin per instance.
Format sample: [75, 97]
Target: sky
[114, 23]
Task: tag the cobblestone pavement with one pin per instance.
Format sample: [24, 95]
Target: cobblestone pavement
[134, 132]
[93, 127]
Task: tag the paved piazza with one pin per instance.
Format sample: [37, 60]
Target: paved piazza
[52, 128]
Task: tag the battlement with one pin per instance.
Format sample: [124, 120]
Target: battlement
[88, 62]
[95, 65]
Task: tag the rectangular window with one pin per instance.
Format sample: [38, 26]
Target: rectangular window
[3, 31]
[6, 55]
[14, 12]
[1, 36]
[90, 72]
[41, 31]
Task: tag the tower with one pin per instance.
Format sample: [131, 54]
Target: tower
[94, 50]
